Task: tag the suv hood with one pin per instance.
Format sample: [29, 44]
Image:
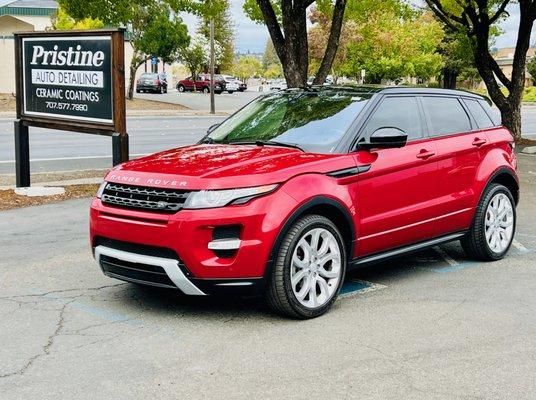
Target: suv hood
[214, 166]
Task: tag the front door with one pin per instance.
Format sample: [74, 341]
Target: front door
[398, 195]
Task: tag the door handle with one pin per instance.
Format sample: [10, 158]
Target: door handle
[424, 154]
[478, 142]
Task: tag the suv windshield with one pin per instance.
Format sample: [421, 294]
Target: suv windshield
[314, 121]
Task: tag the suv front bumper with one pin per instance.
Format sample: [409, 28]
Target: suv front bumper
[141, 246]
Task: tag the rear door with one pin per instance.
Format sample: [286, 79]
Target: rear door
[188, 83]
[397, 196]
[460, 148]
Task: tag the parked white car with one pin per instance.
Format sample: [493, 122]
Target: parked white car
[231, 84]
[278, 84]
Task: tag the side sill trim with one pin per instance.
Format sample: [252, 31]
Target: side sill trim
[170, 266]
[406, 249]
[343, 173]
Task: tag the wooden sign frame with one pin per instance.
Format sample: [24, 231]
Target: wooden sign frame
[114, 126]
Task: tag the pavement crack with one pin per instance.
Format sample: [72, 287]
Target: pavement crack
[14, 297]
[45, 350]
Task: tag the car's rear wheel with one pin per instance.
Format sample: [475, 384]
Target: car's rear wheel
[494, 225]
[309, 269]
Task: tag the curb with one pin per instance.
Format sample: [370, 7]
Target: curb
[61, 183]
[150, 113]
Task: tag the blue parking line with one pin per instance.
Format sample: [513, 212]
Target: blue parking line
[95, 311]
[452, 268]
[354, 286]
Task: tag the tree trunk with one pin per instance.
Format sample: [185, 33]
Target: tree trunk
[332, 43]
[449, 78]
[292, 48]
[135, 63]
[511, 119]
[133, 69]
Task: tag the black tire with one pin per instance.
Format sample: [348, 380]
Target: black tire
[180, 88]
[279, 294]
[137, 90]
[231, 92]
[474, 242]
[206, 90]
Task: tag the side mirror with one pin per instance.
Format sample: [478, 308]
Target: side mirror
[212, 127]
[387, 137]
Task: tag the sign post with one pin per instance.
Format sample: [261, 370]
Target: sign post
[72, 81]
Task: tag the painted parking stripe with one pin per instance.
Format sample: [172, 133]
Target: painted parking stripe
[450, 261]
[356, 286]
[519, 246]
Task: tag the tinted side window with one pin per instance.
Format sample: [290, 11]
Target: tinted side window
[446, 115]
[482, 119]
[493, 113]
[398, 112]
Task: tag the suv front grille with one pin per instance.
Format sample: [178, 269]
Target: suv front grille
[167, 201]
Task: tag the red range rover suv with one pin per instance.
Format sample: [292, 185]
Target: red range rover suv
[291, 192]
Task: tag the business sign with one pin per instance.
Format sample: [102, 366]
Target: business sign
[68, 77]
[72, 81]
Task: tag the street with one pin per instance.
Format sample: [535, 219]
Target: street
[201, 101]
[67, 151]
[428, 326]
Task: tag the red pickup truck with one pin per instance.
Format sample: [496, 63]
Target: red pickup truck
[201, 83]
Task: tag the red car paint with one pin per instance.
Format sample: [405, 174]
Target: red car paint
[426, 189]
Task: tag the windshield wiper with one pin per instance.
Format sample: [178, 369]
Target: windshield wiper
[207, 140]
[270, 143]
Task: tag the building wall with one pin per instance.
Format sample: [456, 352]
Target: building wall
[7, 57]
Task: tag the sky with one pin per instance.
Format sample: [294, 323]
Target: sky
[252, 37]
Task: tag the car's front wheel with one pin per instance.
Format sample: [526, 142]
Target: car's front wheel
[494, 224]
[309, 269]
[180, 88]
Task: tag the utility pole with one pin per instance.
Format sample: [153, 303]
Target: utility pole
[212, 105]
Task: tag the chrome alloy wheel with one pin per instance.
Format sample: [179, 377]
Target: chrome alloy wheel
[499, 226]
[315, 268]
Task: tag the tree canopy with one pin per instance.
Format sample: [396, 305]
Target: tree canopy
[154, 28]
[287, 24]
[477, 20]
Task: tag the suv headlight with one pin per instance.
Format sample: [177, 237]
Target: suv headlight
[101, 189]
[220, 198]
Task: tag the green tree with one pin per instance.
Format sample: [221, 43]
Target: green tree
[394, 41]
[62, 21]
[477, 20]
[196, 56]
[247, 67]
[154, 29]
[269, 56]
[287, 24]
[224, 34]
[531, 68]
[273, 71]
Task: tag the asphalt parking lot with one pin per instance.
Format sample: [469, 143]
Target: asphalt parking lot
[430, 326]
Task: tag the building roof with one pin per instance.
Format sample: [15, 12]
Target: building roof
[29, 3]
